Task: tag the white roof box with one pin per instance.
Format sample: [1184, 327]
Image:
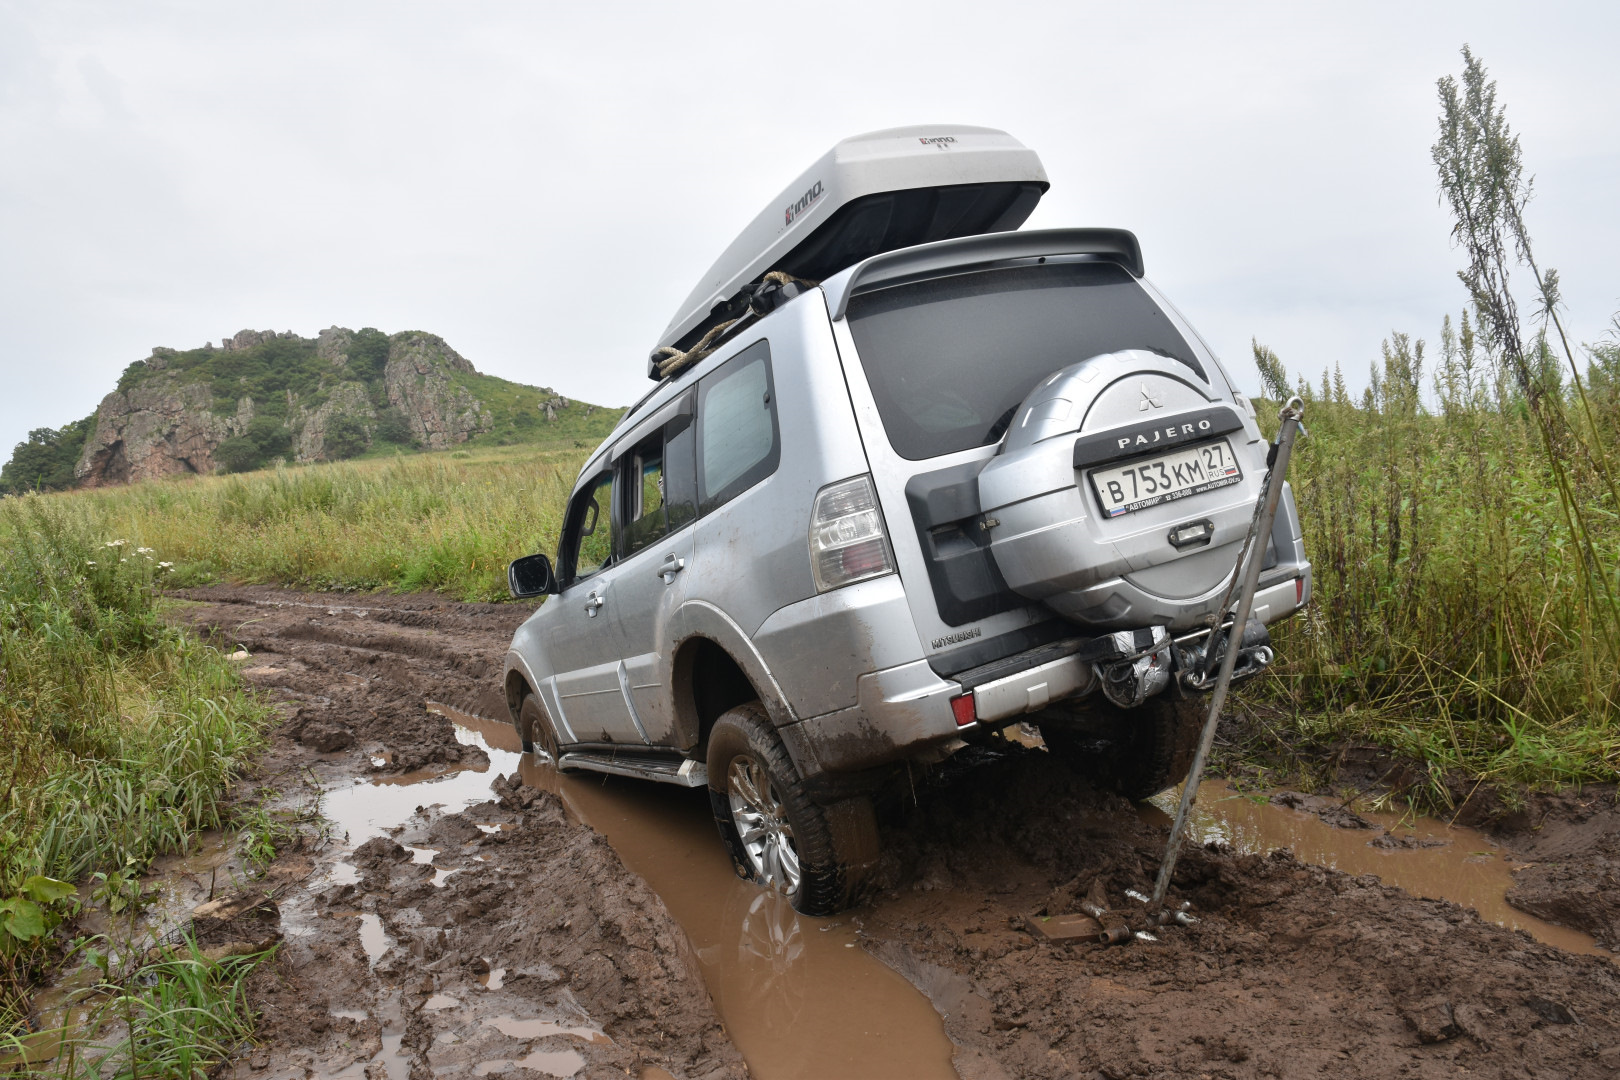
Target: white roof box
[870, 194]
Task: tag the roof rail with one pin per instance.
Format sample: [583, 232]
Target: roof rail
[1115, 245]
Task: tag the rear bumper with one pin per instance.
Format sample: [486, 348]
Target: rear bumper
[905, 710]
[899, 711]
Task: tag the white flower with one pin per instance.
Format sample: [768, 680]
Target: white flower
[116, 543]
[88, 562]
[144, 551]
[165, 566]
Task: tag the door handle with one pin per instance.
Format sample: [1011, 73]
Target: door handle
[671, 567]
[593, 604]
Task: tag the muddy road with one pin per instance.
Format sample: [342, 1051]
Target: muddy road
[471, 914]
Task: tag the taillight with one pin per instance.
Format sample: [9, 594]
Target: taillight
[1299, 591]
[847, 541]
[965, 709]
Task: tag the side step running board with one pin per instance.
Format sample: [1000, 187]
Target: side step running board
[671, 770]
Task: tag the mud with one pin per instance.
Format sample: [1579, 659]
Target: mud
[582, 926]
[439, 932]
[1290, 970]
[1566, 840]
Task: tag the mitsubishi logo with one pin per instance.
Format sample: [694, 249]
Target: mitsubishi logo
[1149, 399]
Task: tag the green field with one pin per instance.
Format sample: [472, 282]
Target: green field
[443, 521]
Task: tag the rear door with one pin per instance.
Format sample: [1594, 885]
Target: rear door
[583, 640]
[944, 364]
[658, 505]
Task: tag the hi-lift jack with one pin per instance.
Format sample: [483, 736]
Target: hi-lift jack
[1245, 577]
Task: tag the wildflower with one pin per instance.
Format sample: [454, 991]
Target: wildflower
[116, 543]
[165, 566]
[89, 562]
[144, 551]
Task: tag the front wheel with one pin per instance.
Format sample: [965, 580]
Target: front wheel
[1137, 752]
[777, 835]
[534, 728]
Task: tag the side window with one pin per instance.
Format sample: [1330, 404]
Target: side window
[738, 444]
[680, 472]
[644, 514]
[588, 538]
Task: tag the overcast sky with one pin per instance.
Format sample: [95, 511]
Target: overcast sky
[543, 183]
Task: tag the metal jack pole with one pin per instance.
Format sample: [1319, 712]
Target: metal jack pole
[1254, 549]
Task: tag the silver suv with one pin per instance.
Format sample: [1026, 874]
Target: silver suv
[907, 477]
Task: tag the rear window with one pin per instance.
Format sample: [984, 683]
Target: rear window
[950, 359]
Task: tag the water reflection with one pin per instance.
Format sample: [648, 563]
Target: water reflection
[796, 998]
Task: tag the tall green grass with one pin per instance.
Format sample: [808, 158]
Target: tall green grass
[119, 735]
[175, 1018]
[1452, 617]
[447, 522]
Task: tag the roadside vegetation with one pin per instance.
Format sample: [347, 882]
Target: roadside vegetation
[1453, 617]
[1467, 552]
[121, 734]
[445, 521]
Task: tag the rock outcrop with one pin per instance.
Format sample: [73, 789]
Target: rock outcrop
[163, 421]
[347, 400]
[332, 345]
[440, 413]
[159, 428]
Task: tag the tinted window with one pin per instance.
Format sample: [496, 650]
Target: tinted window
[950, 359]
[736, 424]
[644, 514]
[680, 472]
[588, 541]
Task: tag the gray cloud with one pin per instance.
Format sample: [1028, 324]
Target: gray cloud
[542, 185]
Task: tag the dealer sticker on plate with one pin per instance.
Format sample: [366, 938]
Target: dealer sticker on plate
[1166, 478]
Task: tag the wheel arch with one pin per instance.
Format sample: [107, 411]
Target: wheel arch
[715, 667]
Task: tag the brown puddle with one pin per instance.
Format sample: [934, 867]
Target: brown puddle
[798, 996]
[1426, 857]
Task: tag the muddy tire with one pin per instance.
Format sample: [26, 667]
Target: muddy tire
[1137, 752]
[777, 836]
[534, 728]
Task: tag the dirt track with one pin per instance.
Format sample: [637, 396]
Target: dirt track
[1291, 969]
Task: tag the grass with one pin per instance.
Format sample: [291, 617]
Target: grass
[122, 735]
[1455, 620]
[177, 1019]
[447, 522]
[182, 1017]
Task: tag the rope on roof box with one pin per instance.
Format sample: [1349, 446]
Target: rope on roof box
[674, 360]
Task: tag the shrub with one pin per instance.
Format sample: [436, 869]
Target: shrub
[345, 437]
[238, 454]
[392, 427]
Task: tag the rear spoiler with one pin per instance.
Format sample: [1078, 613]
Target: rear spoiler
[1115, 245]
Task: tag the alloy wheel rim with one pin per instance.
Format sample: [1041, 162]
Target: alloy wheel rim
[762, 825]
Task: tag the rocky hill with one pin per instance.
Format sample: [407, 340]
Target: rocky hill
[263, 396]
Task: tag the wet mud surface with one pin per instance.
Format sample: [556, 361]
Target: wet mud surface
[1290, 970]
[476, 915]
[447, 929]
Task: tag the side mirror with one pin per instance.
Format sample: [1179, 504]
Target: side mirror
[531, 576]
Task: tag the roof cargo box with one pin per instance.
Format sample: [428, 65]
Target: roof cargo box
[867, 195]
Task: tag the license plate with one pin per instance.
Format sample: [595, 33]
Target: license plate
[1166, 478]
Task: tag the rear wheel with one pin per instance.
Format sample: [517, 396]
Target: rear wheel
[1137, 752]
[777, 835]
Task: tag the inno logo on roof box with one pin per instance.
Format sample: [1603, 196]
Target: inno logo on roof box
[804, 203]
[941, 141]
